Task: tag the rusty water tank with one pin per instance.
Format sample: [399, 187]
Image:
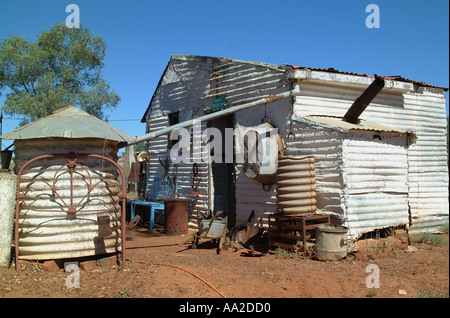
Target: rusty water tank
[46, 230]
[296, 189]
[176, 216]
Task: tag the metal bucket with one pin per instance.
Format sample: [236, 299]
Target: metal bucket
[176, 216]
[331, 242]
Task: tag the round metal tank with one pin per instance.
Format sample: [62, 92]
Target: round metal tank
[176, 216]
[296, 190]
[46, 229]
[7, 207]
[331, 242]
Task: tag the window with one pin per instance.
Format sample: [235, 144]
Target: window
[174, 118]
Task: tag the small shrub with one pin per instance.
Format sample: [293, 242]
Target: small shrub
[444, 228]
[432, 239]
[372, 293]
[429, 238]
[428, 294]
[282, 253]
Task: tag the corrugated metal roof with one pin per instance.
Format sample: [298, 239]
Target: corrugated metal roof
[224, 60]
[346, 126]
[392, 78]
[69, 122]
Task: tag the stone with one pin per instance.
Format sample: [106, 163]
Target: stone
[412, 249]
[402, 292]
[107, 261]
[89, 265]
[359, 256]
[371, 256]
[399, 234]
[50, 266]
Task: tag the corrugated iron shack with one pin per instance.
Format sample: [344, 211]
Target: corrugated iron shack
[387, 168]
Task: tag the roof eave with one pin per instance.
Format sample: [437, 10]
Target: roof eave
[346, 79]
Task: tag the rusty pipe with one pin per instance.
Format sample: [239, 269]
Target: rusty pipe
[361, 103]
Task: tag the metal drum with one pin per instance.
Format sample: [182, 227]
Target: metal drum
[176, 216]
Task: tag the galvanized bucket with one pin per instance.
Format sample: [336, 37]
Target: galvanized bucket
[331, 242]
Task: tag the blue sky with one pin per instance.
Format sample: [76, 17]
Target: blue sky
[412, 41]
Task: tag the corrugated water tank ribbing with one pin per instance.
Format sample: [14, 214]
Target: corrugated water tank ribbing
[46, 229]
[296, 189]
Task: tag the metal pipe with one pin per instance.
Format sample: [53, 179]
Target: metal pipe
[221, 113]
[364, 100]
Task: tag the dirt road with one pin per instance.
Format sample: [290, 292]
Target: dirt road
[161, 266]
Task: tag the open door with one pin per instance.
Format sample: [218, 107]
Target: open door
[222, 178]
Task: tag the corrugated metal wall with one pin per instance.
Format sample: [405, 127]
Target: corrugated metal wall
[325, 144]
[422, 112]
[189, 86]
[375, 176]
[244, 82]
[428, 165]
[182, 88]
[190, 83]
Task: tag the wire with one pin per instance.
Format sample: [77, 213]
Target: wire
[174, 266]
[124, 120]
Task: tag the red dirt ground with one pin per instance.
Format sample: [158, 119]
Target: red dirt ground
[230, 274]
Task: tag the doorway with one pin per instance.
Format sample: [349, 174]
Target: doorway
[223, 176]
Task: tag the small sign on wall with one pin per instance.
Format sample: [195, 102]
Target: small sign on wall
[219, 103]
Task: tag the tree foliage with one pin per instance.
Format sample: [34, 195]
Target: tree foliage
[62, 67]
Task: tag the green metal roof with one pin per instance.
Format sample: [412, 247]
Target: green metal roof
[69, 122]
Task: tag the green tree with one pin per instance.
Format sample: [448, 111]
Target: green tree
[62, 67]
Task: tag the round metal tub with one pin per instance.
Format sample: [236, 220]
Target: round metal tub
[176, 216]
[331, 242]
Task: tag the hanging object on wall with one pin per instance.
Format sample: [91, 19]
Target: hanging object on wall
[258, 149]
